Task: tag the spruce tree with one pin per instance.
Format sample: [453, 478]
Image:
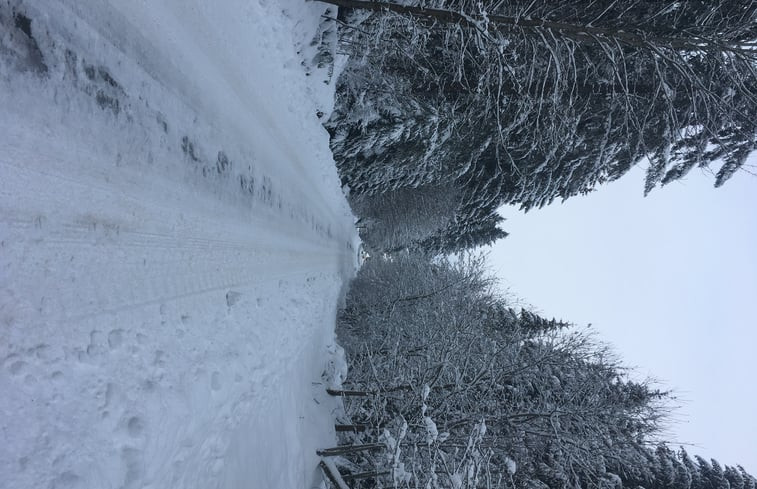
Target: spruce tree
[527, 102]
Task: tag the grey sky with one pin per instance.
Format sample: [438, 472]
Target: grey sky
[669, 280]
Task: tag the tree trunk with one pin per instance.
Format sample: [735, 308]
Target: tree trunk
[579, 33]
[345, 449]
[352, 428]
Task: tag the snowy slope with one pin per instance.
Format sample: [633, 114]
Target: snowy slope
[173, 243]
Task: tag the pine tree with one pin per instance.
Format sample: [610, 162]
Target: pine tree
[430, 341]
[527, 102]
[734, 478]
[665, 469]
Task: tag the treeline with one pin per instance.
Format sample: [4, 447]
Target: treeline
[449, 109]
[466, 392]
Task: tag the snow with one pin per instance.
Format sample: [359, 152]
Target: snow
[512, 467]
[174, 243]
[330, 466]
[432, 432]
[400, 476]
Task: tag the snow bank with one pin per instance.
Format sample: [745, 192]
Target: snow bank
[174, 241]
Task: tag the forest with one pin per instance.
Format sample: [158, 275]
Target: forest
[467, 391]
[446, 111]
[454, 109]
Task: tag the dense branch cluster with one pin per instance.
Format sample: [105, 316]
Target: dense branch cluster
[524, 102]
[467, 392]
[447, 110]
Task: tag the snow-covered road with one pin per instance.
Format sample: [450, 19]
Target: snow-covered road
[173, 244]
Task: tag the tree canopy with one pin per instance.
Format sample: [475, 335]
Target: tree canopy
[464, 388]
[525, 102]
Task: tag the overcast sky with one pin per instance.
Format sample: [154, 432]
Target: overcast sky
[669, 280]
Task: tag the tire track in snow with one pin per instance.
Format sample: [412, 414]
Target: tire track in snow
[198, 44]
[158, 263]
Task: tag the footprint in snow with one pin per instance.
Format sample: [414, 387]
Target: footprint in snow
[232, 297]
[17, 367]
[215, 381]
[135, 426]
[65, 480]
[133, 465]
[115, 338]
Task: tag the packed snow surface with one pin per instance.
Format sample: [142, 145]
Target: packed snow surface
[173, 244]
